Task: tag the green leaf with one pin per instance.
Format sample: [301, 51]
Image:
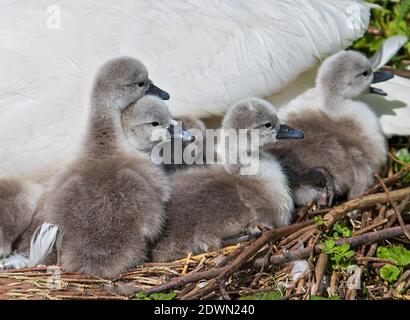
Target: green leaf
[330, 244]
[322, 298]
[389, 272]
[271, 295]
[163, 296]
[319, 220]
[399, 254]
[344, 247]
[141, 296]
[155, 296]
[349, 254]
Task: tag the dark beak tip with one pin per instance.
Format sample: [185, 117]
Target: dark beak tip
[156, 91]
[286, 132]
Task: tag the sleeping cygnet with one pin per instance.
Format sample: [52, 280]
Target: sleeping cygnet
[18, 201]
[108, 204]
[344, 145]
[209, 204]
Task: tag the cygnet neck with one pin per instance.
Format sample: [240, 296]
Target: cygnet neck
[106, 137]
[244, 155]
[330, 98]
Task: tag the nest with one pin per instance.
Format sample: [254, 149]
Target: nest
[327, 253]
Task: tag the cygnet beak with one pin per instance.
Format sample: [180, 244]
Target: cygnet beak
[177, 132]
[286, 132]
[380, 76]
[153, 90]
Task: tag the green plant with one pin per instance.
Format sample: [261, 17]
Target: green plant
[399, 255]
[340, 229]
[404, 156]
[389, 273]
[155, 296]
[319, 220]
[393, 18]
[339, 255]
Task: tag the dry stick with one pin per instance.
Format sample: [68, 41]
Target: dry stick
[181, 281]
[371, 227]
[225, 295]
[303, 212]
[236, 264]
[354, 242]
[333, 284]
[320, 269]
[395, 159]
[301, 239]
[206, 275]
[396, 210]
[389, 181]
[363, 202]
[262, 269]
[296, 235]
[373, 259]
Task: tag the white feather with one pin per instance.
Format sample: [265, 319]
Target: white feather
[299, 269]
[387, 51]
[42, 243]
[207, 54]
[14, 261]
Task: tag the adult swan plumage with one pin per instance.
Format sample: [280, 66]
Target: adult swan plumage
[207, 54]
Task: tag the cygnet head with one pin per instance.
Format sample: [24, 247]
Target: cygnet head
[254, 113]
[122, 81]
[347, 75]
[148, 122]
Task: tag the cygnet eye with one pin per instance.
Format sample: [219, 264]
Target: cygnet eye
[365, 74]
[268, 125]
[155, 124]
[141, 84]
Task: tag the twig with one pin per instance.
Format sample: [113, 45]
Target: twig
[363, 202]
[353, 241]
[183, 280]
[188, 260]
[237, 263]
[333, 284]
[371, 227]
[319, 271]
[373, 259]
[389, 181]
[396, 210]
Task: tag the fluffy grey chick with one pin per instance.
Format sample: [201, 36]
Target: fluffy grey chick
[109, 202]
[185, 154]
[212, 203]
[343, 138]
[18, 201]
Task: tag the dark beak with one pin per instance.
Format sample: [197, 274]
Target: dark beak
[286, 132]
[153, 90]
[177, 132]
[377, 91]
[380, 76]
